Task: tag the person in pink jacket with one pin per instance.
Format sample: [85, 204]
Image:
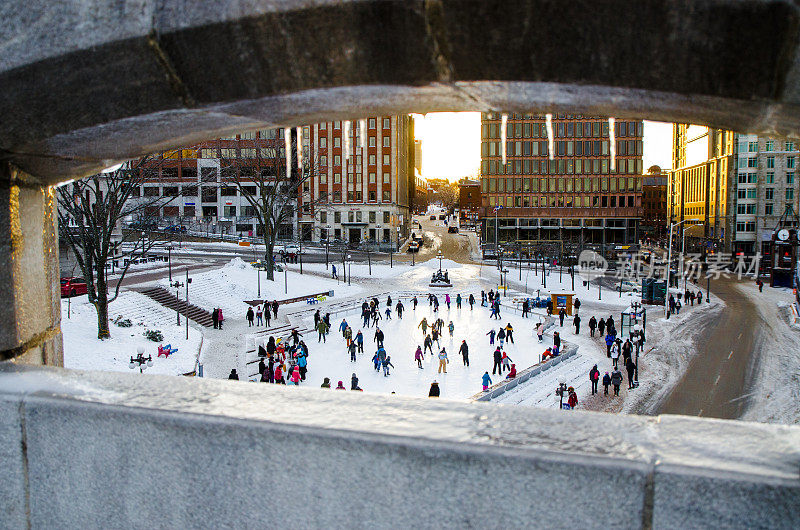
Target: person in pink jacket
[295, 377]
[221, 318]
[418, 356]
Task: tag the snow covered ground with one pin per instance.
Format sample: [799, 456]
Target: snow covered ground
[84, 351]
[776, 390]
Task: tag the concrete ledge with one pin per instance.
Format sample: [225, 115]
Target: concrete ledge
[108, 450]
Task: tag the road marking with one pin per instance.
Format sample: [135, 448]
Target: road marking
[716, 381]
[729, 355]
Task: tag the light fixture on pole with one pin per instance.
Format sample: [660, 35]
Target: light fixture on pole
[169, 260]
[439, 257]
[177, 285]
[349, 267]
[188, 281]
[140, 360]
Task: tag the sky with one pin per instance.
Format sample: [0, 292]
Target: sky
[451, 144]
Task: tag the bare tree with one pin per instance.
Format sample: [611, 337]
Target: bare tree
[273, 190]
[89, 212]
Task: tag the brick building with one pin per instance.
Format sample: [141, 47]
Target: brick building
[654, 204]
[469, 200]
[368, 197]
[575, 196]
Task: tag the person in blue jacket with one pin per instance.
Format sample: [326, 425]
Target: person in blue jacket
[609, 342]
[302, 364]
[486, 381]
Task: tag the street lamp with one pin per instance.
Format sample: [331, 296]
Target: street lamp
[188, 281]
[177, 285]
[169, 260]
[439, 257]
[140, 360]
[497, 236]
[349, 267]
[637, 329]
[327, 244]
[504, 280]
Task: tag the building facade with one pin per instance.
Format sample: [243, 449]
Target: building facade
[703, 162]
[367, 197]
[654, 204]
[469, 200]
[585, 191]
[734, 188]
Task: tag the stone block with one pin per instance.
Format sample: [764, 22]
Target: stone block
[12, 465]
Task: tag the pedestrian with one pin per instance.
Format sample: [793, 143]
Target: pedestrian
[386, 364]
[354, 382]
[577, 323]
[295, 377]
[326, 383]
[215, 318]
[333, 272]
[343, 327]
[513, 372]
[275, 310]
[427, 344]
[388, 313]
[561, 315]
[458, 301]
[615, 353]
[267, 316]
[302, 365]
[678, 306]
[471, 300]
[606, 383]
[486, 380]
[594, 377]
[498, 362]
[576, 304]
[630, 367]
[540, 331]
[220, 317]
[322, 329]
[572, 400]
[279, 374]
[379, 337]
[418, 356]
[510, 333]
[271, 347]
[760, 285]
[616, 380]
[699, 297]
[360, 341]
[399, 308]
[376, 362]
[351, 348]
[259, 316]
[592, 326]
[447, 301]
[557, 340]
[464, 351]
[414, 301]
[501, 336]
[233, 375]
[443, 360]
[424, 325]
[317, 317]
[434, 391]
[389, 301]
[451, 327]
[601, 327]
[609, 342]
[340, 386]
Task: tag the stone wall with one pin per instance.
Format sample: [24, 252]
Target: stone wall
[108, 450]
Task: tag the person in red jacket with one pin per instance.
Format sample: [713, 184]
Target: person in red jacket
[341, 386]
[573, 398]
[513, 372]
[279, 375]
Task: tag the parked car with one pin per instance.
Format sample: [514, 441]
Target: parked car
[71, 286]
[452, 229]
[176, 228]
[442, 217]
[143, 225]
[433, 217]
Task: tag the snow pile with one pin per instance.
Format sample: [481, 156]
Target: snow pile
[84, 351]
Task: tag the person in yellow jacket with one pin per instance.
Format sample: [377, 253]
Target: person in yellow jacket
[510, 333]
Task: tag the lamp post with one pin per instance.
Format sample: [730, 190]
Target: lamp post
[140, 360]
[169, 260]
[504, 280]
[285, 276]
[349, 267]
[188, 281]
[637, 329]
[177, 285]
[327, 244]
[439, 257]
[497, 237]
[669, 264]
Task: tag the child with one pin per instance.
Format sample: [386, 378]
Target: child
[418, 356]
[540, 331]
[491, 337]
[451, 327]
[486, 381]
[513, 372]
[386, 364]
[352, 349]
[606, 383]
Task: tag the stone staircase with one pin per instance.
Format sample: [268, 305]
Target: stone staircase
[190, 311]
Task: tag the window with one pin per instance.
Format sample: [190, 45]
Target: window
[337, 160]
[768, 193]
[751, 193]
[372, 196]
[151, 191]
[386, 141]
[337, 217]
[387, 178]
[337, 197]
[371, 160]
[323, 141]
[337, 178]
[790, 177]
[789, 194]
[371, 123]
[387, 123]
[790, 162]
[769, 178]
[387, 197]
[372, 217]
[386, 160]
[790, 146]
[386, 217]
[768, 208]
[228, 153]
[337, 142]
[769, 145]
[741, 194]
[771, 162]
[753, 162]
[208, 153]
[371, 141]
[248, 152]
[752, 147]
